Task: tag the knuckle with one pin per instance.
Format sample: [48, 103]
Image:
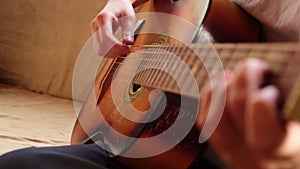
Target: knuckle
[103, 18]
[248, 65]
[255, 101]
[130, 15]
[245, 70]
[253, 64]
[93, 24]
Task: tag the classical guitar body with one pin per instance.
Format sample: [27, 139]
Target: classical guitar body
[223, 20]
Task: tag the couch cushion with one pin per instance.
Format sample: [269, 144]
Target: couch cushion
[40, 41]
[32, 119]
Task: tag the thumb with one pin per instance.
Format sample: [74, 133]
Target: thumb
[127, 23]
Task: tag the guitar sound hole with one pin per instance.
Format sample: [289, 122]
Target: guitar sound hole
[135, 88]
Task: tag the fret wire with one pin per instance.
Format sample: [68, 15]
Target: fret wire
[202, 74]
[271, 62]
[278, 47]
[272, 57]
[285, 65]
[198, 66]
[144, 64]
[201, 78]
[276, 56]
[173, 83]
[229, 56]
[170, 84]
[225, 54]
[165, 77]
[148, 63]
[275, 47]
[171, 68]
[238, 55]
[256, 51]
[152, 64]
[159, 73]
[138, 77]
[140, 67]
[241, 57]
[184, 59]
[192, 60]
[283, 46]
[265, 51]
[155, 72]
[209, 67]
[226, 61]
[164, 65]
[210, 60]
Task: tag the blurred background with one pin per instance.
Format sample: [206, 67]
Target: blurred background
[39, 44]
[40, 41]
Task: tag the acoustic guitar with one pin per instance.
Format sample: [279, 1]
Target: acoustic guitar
[225, 22]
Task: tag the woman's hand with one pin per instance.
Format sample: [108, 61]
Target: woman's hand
[115, 13]
[250, 133]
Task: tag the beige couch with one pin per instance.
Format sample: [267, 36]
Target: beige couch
[39, 44]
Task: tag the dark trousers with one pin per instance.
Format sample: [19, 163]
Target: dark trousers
[86, 156]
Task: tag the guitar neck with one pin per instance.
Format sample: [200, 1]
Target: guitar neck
[202, 61]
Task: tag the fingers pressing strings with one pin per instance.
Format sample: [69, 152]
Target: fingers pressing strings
[248, 78]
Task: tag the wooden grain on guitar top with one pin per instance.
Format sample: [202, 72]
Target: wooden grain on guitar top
[226, 22]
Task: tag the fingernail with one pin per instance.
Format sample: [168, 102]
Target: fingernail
[128, 39]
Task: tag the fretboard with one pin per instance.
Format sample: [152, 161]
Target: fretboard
[201, 59]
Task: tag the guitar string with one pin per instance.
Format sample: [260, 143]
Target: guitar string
[226, 45]
[232, 56]
[164, 82]
[212, 68]
[201, 79]
[144, 76]
[158, 59]
[161, 60]
[273, 47]
[208, 63]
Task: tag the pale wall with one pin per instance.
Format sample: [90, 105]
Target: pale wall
[40, 40]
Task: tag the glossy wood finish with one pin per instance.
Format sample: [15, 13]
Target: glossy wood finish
[183, 155]
[227, 22]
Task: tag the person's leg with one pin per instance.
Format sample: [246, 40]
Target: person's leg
[86, 156]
